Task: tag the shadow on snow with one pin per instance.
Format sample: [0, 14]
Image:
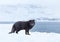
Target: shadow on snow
[48, 27]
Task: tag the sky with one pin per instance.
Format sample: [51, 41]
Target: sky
[48, 2]
[48, 8]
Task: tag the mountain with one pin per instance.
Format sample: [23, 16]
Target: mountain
[48, 19]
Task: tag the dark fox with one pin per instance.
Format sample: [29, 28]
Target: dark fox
[23, 25]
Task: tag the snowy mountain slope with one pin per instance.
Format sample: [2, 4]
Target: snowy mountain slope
[48, 27]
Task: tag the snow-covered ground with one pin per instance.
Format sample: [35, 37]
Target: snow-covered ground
[45, 12]
[21, 37]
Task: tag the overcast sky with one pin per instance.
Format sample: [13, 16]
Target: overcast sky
[51, 8]
[29, 1]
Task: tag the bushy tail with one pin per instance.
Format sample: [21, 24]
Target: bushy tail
[13, 30]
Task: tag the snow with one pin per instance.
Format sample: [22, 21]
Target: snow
[45, 12]
[21, 37]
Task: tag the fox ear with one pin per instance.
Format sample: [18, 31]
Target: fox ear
[31, 20]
